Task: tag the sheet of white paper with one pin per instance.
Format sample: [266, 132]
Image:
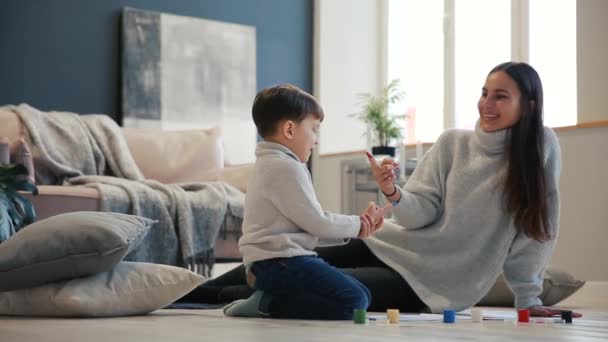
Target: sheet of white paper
[489, 315]
[412, 318]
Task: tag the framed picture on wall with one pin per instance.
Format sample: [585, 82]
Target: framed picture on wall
[184, 73]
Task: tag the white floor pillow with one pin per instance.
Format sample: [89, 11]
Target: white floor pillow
[131, 288]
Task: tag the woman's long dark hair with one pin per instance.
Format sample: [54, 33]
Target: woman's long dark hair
[525, 186]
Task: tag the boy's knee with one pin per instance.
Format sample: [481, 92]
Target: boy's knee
[358, 298]
[362, 303]
[368, 296]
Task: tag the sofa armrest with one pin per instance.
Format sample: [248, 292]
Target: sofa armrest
[55, 199]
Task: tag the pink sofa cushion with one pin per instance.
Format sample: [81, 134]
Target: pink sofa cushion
[11, 126]
[21, 154]
[176, 156]
[5, 150]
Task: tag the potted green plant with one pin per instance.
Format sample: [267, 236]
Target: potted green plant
[16, 211]
[385, 126]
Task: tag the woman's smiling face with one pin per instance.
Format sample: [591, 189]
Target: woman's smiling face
[500, 102]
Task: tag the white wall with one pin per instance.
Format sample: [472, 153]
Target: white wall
[592, 54]
[348, 57]
[584, 203]
[346, 67]
[584, 184]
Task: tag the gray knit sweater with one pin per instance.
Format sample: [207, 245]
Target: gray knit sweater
[283, 217]
[453, 235]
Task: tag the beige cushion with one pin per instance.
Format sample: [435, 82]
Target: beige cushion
[5, 150]
[11, 125]
[237, 176]
[176, 156]
[21, 154]
[130, 288]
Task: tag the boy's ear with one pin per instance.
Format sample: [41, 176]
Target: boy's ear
[288, 129]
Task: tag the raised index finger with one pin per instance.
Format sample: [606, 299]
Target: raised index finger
[372, 161]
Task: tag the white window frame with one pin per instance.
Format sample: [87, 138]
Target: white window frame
[519, 51]
[520, 31]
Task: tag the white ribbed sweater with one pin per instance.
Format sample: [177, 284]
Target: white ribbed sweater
[283, 217]
[453, 235]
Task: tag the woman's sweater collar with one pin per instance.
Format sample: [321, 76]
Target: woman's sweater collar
[491, 142]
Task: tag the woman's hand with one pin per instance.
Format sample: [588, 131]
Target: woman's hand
[548, 311]
[384, 173]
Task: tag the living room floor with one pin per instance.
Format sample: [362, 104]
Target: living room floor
[212, 325]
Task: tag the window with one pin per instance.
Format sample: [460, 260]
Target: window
[480, 42]
[415, 56]
[553, 54]
[442, 51]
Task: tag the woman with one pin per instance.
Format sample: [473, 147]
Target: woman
[479, 203]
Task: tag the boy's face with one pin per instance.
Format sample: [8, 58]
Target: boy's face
[304, 137]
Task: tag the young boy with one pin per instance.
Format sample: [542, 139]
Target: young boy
[284, 221]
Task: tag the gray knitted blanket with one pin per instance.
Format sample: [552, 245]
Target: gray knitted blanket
[90, 150]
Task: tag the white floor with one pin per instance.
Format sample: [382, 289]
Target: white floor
[212, 325]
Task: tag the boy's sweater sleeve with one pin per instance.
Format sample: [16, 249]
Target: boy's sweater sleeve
[421, 197]
[290, 189]
[528, 258]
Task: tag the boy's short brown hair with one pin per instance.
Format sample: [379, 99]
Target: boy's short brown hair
[282, 102]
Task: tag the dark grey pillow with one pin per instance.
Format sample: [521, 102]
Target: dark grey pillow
[557, 286]
[68, 246]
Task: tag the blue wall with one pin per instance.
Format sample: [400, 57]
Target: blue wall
[65, 54]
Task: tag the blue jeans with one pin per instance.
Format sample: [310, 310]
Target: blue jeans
[306, 287]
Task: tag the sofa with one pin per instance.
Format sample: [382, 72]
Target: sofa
[185, 156]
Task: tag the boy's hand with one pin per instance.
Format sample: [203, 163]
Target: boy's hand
[384, 173]
[378, 213]
[367, 226]
[372, 219]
